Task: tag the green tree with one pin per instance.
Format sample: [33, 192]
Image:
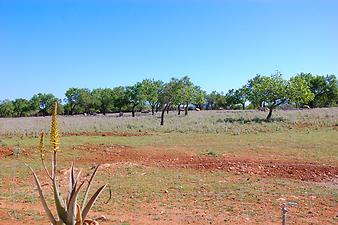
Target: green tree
[272, 90]
[252, 93]
[43, 103]
[79, 100]
[6, 108]
[151, 91]
[120, 99]
[21, 107]
[237, 97]
[216, 100]
[299, 91]
[136, 96]
[168, 96]
[325, 89]
[104, 99]
[198, 97]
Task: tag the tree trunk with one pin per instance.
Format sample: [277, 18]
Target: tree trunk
[133, 111]
[162, 114]
[270, 113]
[152, 109]
[186, 110]
[243, 106]
[167, 109]
[179, 110]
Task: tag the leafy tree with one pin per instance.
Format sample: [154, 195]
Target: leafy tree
[299, 91]
[104, 99]
[199, 97]
[216, 100]
[187, 93]
[119, 98]
[43, 103]
[135, 95]
[168, 95]
[252, 93]
[21, 107]
[235, 97]
[274, 90]
[79, 100]
[325, 89]
[151, 91]
[6, 108]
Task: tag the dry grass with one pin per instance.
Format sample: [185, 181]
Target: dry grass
[248, 121]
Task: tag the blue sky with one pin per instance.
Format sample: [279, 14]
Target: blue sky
[49, 46]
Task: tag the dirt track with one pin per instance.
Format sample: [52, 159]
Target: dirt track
[264, 168]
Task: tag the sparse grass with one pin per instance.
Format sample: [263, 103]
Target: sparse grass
[197, 122]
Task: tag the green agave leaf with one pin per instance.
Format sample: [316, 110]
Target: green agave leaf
[43, 200]
[88, 187]
[92, 201]
[59, 202]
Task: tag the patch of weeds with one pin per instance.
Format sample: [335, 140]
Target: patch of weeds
[17, 151]
[230, 209]
[211, 153]
[242, 120]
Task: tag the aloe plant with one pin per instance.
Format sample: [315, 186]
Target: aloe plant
[69, 212]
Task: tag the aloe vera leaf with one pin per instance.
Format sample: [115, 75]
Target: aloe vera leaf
[59, 203]
[91, 202]
[84, 201]
[43, 200]
[72, 204]
[78, 215]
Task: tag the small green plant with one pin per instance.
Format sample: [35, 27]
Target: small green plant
[69, 212]
[211, 153]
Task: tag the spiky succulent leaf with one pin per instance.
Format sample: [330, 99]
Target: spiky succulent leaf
[78, 215]
[71, 217]
[59, 202]
[88, 187]
[71, 182]
[91, 202]
[42, 198]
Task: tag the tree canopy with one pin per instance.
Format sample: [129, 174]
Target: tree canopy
[152, 95]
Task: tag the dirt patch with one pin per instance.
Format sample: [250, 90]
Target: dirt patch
[238, 166]
[5, 152]
[111, 133]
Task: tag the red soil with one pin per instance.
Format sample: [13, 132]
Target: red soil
[265, 168]
[5, 152]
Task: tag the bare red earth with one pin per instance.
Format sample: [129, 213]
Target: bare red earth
[165, 159]
[5, 152]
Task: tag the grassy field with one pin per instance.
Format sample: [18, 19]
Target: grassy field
[212, 167]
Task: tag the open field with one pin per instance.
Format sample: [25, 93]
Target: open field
[219, 167]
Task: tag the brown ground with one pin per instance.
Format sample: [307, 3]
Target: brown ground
[205, 210]
[180, 159]
[4, 151]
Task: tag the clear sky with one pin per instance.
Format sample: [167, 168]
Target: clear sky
[49, 46]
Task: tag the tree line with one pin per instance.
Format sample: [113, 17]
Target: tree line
[155, 96]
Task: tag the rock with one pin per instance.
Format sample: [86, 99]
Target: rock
[101, 218]
[106, 165]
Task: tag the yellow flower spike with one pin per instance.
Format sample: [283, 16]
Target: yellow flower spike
[54, 134]
[42, 145]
